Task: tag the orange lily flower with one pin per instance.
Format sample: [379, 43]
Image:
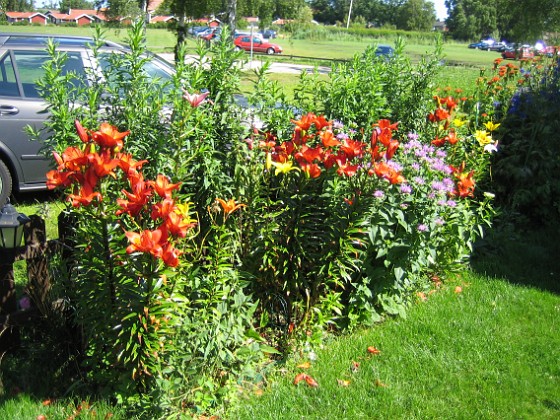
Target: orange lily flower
[163, 187]
[305, 122]
[177, 225]
[128, 164]
[73, 159]
[438, 142]
[352, 148]
[383, 170]
[229, 206]
[452, 136]
[108, 136]
[383, 124]
[82, 133]
[147, 241]
[347, 169]
[58, 179]
[170, 255]
[163, 209]
[328, 139]
[308, 154]
[103, 164]
[311, 169]
[465, 181]
[138, 198]
[320, 122]
[86, 193]
[391, 149]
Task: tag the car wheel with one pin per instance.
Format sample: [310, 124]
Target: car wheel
[270, 51]
[5, 183]
[237, 48]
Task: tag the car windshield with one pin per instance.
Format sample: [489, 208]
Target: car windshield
[157, 71]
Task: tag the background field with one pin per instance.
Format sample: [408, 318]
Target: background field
[163, 40]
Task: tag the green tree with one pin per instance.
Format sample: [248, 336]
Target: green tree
[16, 5]
[417, 15]
[66, 5]
[527, 20]
[471, 19]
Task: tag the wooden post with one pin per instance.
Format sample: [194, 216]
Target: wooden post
[39, 281]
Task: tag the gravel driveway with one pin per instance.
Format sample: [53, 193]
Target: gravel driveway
[274, 68]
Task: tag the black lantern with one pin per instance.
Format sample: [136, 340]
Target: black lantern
[11, 227]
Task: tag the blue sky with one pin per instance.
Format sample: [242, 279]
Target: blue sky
[441, 11]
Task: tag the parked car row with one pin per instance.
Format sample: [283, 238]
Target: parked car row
[490, 45]
[515, 51]
[243, 40]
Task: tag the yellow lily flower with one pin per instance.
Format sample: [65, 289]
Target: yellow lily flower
[457, 122]
[284, 167]
[483, 137]
[490, 126]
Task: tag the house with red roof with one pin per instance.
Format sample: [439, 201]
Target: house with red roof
[31, 17]
[165, 19]
[80, 17]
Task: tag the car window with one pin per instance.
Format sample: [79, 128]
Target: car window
[8, 85]
[29, 66]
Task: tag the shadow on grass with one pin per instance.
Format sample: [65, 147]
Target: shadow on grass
[529, 257]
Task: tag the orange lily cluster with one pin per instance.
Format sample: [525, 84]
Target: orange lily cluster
[464, 180]
[445, 107]
[315, 148]
[84, 168]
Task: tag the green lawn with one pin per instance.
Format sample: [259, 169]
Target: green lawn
[484, 345]
[489, 350]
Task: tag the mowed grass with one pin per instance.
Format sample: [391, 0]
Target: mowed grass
[479, 347]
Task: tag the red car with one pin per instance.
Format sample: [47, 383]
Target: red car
[518, 54]
[243, 42]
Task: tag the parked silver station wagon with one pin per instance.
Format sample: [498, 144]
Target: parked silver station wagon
[23, 165]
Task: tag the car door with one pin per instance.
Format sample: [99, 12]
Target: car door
[21, 105]
[258, 45]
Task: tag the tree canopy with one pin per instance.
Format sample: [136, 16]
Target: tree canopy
[402, 14]
[512, 20]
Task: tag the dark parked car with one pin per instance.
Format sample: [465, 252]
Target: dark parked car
[23, 166]
[194, 30]
[268, 33]
[499, 46]
[384, 51]
[257, 44]
[482, 45]
[213, 35]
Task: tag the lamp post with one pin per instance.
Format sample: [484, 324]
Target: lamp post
[11, 233]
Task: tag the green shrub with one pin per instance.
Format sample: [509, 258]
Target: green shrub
[329, 213]
[527, 166]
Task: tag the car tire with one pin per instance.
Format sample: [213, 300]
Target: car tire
[270, 51]
[237, 48]
[5, 183]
